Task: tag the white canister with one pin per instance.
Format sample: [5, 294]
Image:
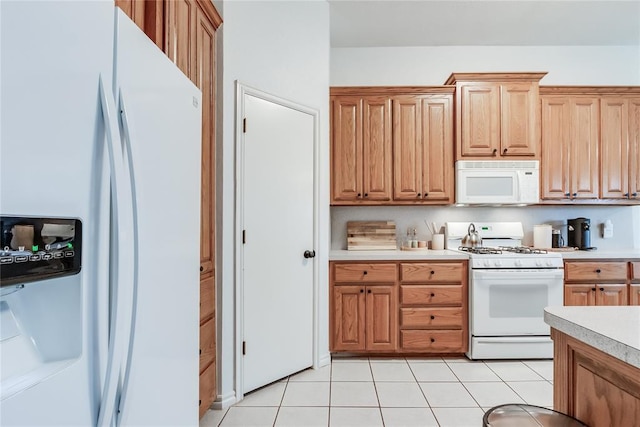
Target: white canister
[542, 236]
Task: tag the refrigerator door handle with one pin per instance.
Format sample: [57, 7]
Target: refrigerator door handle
[123, 267]
[132, 293]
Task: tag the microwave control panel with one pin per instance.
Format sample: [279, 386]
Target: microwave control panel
[35, 248]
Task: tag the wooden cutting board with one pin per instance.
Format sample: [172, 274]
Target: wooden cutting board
[371, 235]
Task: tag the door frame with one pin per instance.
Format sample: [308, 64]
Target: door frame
[241, 91]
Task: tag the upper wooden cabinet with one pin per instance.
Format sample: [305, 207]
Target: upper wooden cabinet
[148, 15]
[570, 165]
[620, 124]
[391, 145]
[423, 148]
[361, 149]
[496, 115]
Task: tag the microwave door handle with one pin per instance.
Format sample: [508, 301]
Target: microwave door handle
[517, 184]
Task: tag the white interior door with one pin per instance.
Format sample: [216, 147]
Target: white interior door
[278, 222]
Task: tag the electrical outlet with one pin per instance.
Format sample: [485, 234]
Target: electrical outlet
[607, 229]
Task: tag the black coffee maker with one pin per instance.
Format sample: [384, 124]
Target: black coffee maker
[579, 233]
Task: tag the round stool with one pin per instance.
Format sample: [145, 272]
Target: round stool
[520, 415]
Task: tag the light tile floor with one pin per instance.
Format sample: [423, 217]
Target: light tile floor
[391, 392]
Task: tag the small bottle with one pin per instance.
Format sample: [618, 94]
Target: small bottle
[414, 238]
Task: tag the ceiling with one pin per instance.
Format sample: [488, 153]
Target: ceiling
[386, 23]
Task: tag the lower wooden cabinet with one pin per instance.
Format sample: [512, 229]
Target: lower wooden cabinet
[594, 387]
[596, 294]
[207, 388]
[364, 318]
[399, 307]
[600, 283]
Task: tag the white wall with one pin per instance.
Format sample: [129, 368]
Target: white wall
[566, 65]
[282, 48]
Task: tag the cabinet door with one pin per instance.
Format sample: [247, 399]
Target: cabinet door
[205, 68]
[348, 318]
[376, 148]
[584, 168]
[346, 149]
[437, 149]
[556, 142]
[583, 295]
[179, 34]
[382, 318]
[634, 294]
[634, 148]
[480, 112]
[407, 148]
[615, 147]
[518, 134]
[134, 10]
[612, 295]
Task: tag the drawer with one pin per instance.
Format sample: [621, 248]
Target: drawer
[447, 317]
[432, 272]
[635, 271]
[432, 341]
[435, 295]
[207, 344]
[364, 273]
[595, 271]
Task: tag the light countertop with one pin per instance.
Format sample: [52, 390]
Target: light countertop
[614, 330]
[395, 255]
[602, 254]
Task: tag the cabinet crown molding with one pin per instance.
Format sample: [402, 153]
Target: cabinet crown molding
[590, 90]
[495, 77]
[390, 90]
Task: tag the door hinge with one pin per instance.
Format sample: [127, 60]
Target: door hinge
[244, 125]
[244, 236]
[244, 348]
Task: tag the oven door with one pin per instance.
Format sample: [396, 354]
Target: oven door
[511, 302]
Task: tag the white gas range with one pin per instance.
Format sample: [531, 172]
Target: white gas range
[509, 287]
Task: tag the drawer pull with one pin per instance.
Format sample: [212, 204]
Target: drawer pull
[433, 317]
[433, 340]
[364, 272]
[433, 272]
[598, 271]
[432, 294]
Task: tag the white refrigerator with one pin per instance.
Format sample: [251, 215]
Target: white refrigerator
[99, 131]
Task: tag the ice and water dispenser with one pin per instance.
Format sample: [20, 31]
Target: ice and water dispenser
[40, 298]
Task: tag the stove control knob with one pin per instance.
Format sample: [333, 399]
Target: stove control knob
[486, 263]
[549, 263]
[538, 263]
[498, 263]
[518, 263]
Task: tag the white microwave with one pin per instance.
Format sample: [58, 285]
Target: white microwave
[501, 182]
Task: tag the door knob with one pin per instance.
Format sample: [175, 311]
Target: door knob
[309, 254]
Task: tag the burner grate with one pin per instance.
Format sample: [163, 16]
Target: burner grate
[523, 250]
[480, 250]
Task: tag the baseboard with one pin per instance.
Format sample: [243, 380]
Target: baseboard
[324, 360]
[224, 401]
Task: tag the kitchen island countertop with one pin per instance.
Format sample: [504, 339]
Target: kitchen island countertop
[395, 255]
[614, 330]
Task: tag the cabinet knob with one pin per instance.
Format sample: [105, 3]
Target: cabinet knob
[362, 291]
[201, 268]
[366, 194]
[433, 317]
[495, 151]
[418, 194]
[359, 195]
[634, 194]
[574, 194]
[626, 195]
[364, 272]
[432, 294]
[368, 291]
[433, 272]
[593, 289]
[567, 194]
[426, 195]
[601, 289]
[504, 151]
[598, 271]
[433, 340]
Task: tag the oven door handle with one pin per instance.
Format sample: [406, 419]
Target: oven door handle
[515, 274]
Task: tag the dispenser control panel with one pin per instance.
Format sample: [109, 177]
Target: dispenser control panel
[35, 248]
